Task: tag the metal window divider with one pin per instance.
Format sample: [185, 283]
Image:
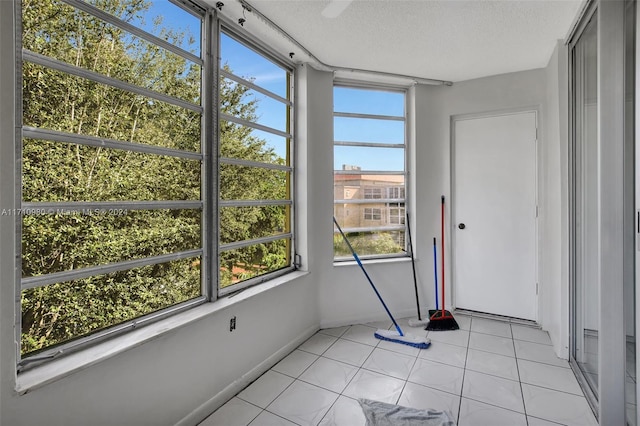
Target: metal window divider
[253, 125]
[86, 140]
[76, 274]
[61, 66]
[254, 86]
[211, 132]
[132, 29]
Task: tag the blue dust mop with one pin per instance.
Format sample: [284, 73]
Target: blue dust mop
[397, 336]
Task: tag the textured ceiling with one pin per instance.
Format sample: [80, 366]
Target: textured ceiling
[439, 39]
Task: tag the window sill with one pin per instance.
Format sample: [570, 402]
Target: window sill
[56, 369]
[372, 261]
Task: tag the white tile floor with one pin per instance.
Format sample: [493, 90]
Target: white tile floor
[487, 373]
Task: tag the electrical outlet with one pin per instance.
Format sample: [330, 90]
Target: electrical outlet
[232, 323]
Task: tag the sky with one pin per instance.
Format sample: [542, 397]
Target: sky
[247, 64]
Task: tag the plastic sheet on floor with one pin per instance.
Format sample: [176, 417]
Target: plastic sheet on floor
[380, 413]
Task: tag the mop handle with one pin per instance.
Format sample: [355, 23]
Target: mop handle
[413, 266]
[355, 256]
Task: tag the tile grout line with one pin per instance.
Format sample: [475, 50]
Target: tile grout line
[464, 372]
[515, 355]
[322, 356]
[408, 375]
[277, 396]
[501, 407]
[295, 379]
[277, 415]
[360, 368]
[348, 383]
[236, 396]
[415, 359]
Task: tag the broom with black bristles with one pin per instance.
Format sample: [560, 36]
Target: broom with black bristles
[442, 319]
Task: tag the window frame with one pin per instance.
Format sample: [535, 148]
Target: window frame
[372, 200]
[230, 30]
[211, 24]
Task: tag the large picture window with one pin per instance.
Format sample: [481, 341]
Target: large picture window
[122, 164]
[369, 170]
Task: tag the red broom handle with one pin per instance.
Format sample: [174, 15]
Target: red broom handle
[442, 257]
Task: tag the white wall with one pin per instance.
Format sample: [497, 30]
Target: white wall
[434, 107]
[185, 373]
[164, 380]
[344, 294]
[554, 293]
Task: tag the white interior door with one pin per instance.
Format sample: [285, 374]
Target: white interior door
[494, 214]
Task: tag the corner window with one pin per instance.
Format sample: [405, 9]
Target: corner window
[122, 165]
[369, 160]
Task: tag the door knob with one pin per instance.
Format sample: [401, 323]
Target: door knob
[462, 226]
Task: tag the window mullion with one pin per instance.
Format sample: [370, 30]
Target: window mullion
[210, 189]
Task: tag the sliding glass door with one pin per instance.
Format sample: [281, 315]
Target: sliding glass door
[632, 211]
[585, 115]
[605, 208]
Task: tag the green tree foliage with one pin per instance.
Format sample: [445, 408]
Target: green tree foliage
[366, 243]
[58, 172]
[249, 183]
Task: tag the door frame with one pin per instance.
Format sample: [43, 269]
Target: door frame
[452, 191]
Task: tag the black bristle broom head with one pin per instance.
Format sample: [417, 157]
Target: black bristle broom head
[440, 322]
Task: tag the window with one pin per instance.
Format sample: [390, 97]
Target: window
[396, 213]
[255, 165]
[372, 214]
[372, 193]
[395, 192]
[369, 159]
[120, 173]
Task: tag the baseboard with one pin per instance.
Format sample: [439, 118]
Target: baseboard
[340, 322]
[208, 407]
